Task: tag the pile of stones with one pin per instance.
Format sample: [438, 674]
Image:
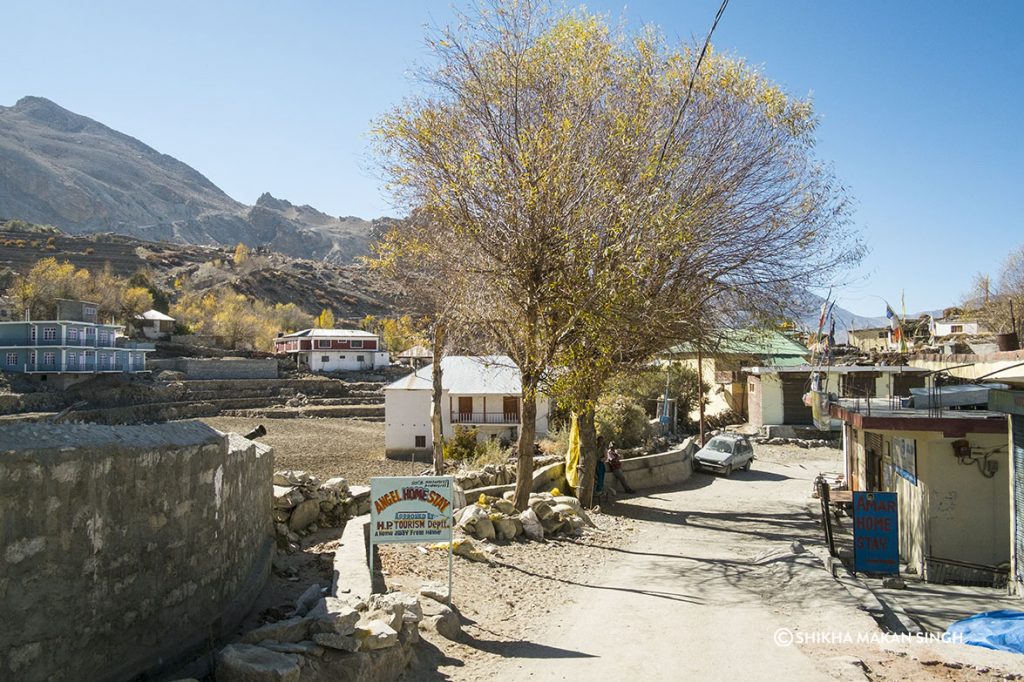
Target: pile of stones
[303, 505]
[346, 638]
[798, 442]
[493, 518]
[496, 474]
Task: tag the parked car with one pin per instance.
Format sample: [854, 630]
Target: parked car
[726, 453]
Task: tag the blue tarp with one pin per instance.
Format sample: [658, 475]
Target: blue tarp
[999, 630]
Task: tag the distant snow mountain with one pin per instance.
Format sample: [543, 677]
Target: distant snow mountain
[69, 171]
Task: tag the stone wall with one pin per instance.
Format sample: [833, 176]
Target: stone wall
[123, 548]
[219, 368]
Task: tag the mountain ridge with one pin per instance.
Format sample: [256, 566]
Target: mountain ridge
[61, 168]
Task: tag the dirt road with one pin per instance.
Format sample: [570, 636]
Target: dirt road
[713, 589]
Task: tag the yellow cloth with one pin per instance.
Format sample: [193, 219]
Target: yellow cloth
[572, 455]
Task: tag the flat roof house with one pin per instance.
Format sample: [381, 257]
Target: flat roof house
[950, 471]
[478, 391]
[71, 347]
[333, 350]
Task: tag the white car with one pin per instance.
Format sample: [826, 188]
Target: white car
[726, 453]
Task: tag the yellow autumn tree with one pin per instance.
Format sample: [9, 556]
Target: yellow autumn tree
[325, 320]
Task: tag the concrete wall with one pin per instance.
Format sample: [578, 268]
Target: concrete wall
[654, 471]
[220, 368]
[977, 365]
[122, 548]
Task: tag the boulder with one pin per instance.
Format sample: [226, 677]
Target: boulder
[291, 477]
[335, 640]
[308, 599]
[333, 615]
[376, 635]
[484, 529]
[286, 497]
[290, 630]
[397, 602]
[435, 591]
[250, 663]
[304, 515]
[336, 484]
[441, 619]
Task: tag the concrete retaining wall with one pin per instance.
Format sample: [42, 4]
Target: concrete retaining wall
[123, 548]
[654, 471]
[219, 368]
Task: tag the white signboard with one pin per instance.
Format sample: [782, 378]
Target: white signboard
[411, 509]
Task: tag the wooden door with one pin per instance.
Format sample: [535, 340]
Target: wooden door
[465, 408]
[510, 408]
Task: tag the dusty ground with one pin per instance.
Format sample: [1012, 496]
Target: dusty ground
[324, 447]
[691, 583]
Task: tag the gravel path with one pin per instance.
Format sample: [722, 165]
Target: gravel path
[701, 582]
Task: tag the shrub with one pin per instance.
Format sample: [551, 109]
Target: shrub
[556, 442]
[490, 452]
[622, 420]
[461, 446]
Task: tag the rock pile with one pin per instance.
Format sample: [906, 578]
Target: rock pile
[495, 474]
[799, 442]
[493, 518]
[302, 504]
[338, 639]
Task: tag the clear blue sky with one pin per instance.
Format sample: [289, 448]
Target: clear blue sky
[921, 103]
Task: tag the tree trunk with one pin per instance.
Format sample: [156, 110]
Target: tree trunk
[588, 458]
[435, 409]
[527, 434]
[700, 393]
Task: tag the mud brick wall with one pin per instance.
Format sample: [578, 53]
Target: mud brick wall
[125, 547]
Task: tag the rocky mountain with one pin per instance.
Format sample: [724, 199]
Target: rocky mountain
[67, 170]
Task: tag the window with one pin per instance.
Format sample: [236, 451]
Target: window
[49, 358]
[49, 333]
[325, 358]
[89, 311]
[883, 335]
[956, 329]
[359, 358]
[33, 333]
[323, 344]
[357, 343]
[73, 334]
[12, 359]
[72, 359]
[421, 441]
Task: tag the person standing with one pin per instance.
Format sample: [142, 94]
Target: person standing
[599, 472]
[615, 465]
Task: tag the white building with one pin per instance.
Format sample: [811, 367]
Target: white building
[333, 350]
[153, 324]
[481, 392]
[942, 328]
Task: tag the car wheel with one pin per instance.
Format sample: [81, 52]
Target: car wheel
[727, 471]
[746, 467]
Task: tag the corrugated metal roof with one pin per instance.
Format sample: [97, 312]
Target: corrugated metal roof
[154, 315]
[467, 375]
[331, 333]
[766, 344]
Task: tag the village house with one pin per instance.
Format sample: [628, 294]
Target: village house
[1011, 403]
[775, 395]
[154, 324]
[950, 470]
[723, 359]
[71, 347]
[333, 350]
[481, 392]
